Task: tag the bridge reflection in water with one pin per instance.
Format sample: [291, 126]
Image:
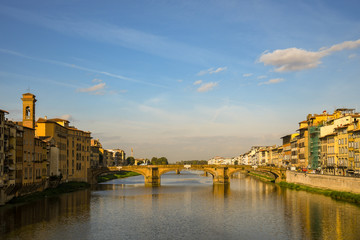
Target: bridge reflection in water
[152, 174]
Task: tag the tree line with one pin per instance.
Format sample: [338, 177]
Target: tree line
[154, 161]
[193, 162]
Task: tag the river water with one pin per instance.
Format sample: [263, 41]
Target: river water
[186, 206]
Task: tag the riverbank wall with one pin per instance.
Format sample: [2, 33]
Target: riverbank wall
[7, 193]
[336, 183]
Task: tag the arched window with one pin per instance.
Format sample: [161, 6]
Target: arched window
[27, 112]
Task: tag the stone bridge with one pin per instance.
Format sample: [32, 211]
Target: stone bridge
[152, 173]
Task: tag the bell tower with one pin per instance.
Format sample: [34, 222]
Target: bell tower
[28, 100]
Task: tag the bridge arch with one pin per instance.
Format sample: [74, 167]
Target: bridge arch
[92, 177]
[166, 170]
[236, 170]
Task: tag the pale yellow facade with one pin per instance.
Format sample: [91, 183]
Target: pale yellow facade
[73, 145]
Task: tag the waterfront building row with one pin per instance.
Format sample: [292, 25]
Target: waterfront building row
[34, 154]
[324, 142]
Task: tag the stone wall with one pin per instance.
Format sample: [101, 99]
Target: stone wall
[337, 183]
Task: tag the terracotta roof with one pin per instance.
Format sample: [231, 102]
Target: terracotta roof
[344, 126]
[59, 120]
[4, 111]
[75, 129]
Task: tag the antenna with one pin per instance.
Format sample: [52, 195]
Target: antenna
[28, 89]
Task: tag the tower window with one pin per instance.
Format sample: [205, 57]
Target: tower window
[27, 112]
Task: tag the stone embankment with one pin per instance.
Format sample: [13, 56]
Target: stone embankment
[335, 183]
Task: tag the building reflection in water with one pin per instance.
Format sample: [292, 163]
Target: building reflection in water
[314, 216]
[45, 210]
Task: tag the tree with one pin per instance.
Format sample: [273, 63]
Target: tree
[130, 161]
[163, 161]
[154, 161]
[159, 161]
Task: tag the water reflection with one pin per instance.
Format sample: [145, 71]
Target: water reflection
[46, 210]
[186, 206]
[221, 191]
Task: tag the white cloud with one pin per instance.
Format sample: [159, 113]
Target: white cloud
[295, 59]
[197, 82]
[272, 81]
[96, 80]
[351, 56]
[207, 87]
[212, 71]
[220, 69]
[261, 77]
[247, 74]
[67, 117]
[96, 89]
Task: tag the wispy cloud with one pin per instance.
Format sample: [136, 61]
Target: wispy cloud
[113, 34]
[351, 56]
[69, 65]
[296, 59]
[272, 81]
[197, 82]
[212, 71]
[96, 89]
[96, 80]
[262, 77]
[247, 74]
[207, 87]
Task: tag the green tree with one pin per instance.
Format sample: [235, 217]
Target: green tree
[163, 161]
[154, 161]
[130, 161]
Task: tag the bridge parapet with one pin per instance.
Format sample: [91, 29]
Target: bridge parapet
[152, 173]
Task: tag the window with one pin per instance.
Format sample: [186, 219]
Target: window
[27, 112]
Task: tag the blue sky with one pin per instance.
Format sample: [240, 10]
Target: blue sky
[181, 79]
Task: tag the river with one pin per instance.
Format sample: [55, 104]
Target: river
[186, 206]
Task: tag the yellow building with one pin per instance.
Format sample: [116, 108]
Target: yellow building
[329, 151]
[28, 155]
[78, 153]
[294, 144]
[51, 129]
[71, 145]
[2, 146]
[356, 145]
[95, 153]
[40, 161]
[303, 143]
[342, 146]
[10, 152]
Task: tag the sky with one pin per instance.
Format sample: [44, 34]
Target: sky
[188, 80]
